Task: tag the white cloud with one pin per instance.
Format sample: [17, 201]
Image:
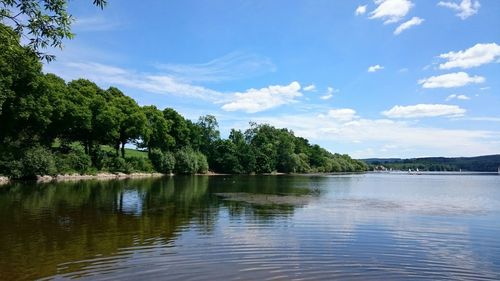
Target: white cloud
[310, 88]
[465, 9]
[407, 24]
[342, 114]
[484, 88]
[375, 68]
[391, 11]
[424, 110]
[256, 100]
[450, 80]
[329, 93]
[232, 66]
[476, 55]
[458, 97]
[360, 10]
[107, 75]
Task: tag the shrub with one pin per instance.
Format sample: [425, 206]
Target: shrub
[117, 164]
[74, 161]
[168, 162]
[188, 161]
[163, 162]
[202, 163]
[38, 160]
[139, 164]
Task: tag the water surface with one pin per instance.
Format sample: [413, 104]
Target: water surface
[360, 227]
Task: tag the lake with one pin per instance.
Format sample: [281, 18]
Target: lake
[349, 227]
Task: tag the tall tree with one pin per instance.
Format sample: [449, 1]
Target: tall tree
[131, 120]
[179, 130]
[156, 132]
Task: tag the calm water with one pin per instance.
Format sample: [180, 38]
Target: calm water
[361, 227]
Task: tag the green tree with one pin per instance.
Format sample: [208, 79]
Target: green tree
[130, 119]
[156, 131]
[24, 109]
[179, 130]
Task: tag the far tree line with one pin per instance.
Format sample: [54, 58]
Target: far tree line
[48, 126]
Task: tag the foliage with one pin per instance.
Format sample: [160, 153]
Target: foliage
[38, 161]
[44, 23]
[73, 160]
[186, 161]
[162, 162]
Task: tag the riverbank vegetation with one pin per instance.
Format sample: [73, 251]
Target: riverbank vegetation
[49, 126]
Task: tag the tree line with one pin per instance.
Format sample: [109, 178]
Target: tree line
[48, 126]
[486, 163]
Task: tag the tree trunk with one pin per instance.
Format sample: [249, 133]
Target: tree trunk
[123, 149]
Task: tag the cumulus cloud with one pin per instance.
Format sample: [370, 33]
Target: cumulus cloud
[450, 80]
[310, 88]
[342, 114]
[256, 100]
[360, 10]
[465, 9]
[391, 11]
[476, 55]
[375, 68]
[408, 24]
[329, 93]
[458, 97]
[424, 110]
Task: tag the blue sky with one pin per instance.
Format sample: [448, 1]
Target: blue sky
[384, 78]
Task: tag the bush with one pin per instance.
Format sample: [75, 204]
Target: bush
[168, 162]
[36, 161]
[117, 164]
[202, 163]
[163, 162]
[75, 160]
[139, 164]
[188, 161]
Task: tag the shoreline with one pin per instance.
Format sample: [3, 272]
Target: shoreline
[117, 176]
[77, 177]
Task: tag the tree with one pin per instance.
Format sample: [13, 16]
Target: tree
[156, 132]
[19, 77]
[225, 157]
[43, 22]
[130, 119]
[179, 130]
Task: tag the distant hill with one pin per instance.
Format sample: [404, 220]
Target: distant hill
[486, 163]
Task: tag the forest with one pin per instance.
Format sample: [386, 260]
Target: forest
[49, 126]
[486, 163]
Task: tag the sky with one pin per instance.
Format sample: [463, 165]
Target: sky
[383, 78]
